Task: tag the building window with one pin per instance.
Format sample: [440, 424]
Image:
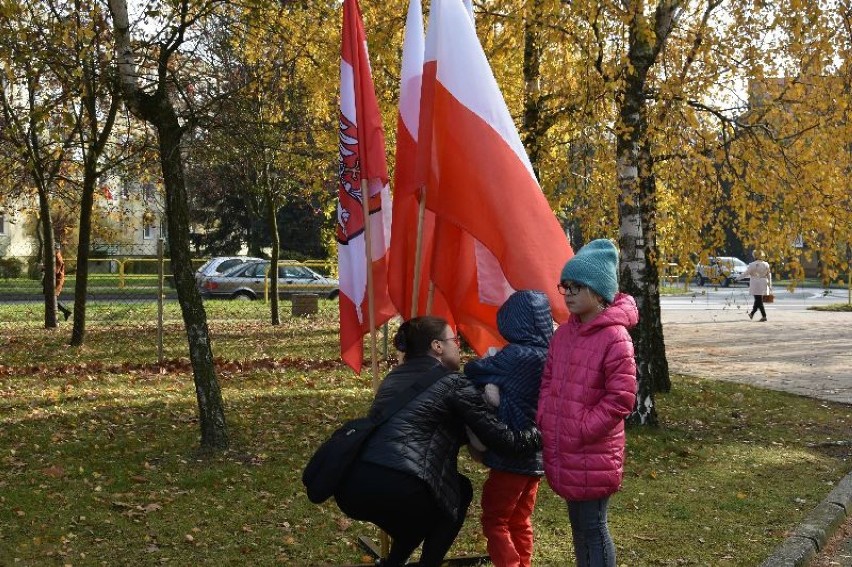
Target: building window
[148, 225]
[2, 224]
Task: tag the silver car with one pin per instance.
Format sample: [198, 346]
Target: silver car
[220, 265]
[723, 270]
[251, 281]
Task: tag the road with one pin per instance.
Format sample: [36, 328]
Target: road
[709, 334]
[710, 298]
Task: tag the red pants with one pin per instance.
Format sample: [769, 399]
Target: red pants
[507, 505]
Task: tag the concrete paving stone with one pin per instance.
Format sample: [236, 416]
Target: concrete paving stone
[844, 555]
[842, 494]
[794, 552]
[821, 523]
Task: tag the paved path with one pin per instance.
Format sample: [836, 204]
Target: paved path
[796, 350]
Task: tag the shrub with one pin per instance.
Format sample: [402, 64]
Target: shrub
[10, 268]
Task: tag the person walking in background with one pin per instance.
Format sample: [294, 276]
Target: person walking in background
[588, 388]
[406, 479]
[512, 378]
[59, 275]
[759, 284]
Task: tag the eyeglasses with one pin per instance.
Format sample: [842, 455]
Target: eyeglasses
[570, 288]
[455, 339]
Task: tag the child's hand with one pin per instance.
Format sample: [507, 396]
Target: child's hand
[474, 443]
[491, 395]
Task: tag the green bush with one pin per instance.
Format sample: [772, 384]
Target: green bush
[10, 268]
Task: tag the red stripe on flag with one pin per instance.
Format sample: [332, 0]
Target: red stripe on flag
[454, 273]
[478, 183]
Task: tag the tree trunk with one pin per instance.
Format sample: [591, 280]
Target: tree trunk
[634, 273]
[92, 149]
[211, 411]
[637, 205]
[84, 244]
[532, 127]
[274, 304]
[49, 260]
[652, 325]
[157, 109]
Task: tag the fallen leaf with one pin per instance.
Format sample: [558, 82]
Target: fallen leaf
[54, 472]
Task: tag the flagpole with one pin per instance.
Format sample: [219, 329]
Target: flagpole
[430, 297]
[418, 253]
[365, 200]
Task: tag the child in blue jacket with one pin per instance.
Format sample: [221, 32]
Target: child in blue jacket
[514, 374]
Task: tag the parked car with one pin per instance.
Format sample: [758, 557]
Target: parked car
[721, 270]
[251, 281]
[219, 265]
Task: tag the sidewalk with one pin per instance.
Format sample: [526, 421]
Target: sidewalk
[798, 351]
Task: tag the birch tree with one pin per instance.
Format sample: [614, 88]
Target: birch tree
[154, 94]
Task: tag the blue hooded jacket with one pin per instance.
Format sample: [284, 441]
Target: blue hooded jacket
[526, 322]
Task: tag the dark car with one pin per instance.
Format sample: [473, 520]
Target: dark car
[251, 281]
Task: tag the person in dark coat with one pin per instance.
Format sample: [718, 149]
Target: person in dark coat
[512, 378]
[406, 480]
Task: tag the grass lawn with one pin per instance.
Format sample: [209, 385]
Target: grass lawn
[98, 463]
[832, 307]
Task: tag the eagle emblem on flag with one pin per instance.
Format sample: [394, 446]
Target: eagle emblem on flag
[350, 215]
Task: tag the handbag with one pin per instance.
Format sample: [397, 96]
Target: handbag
[331, 462]
[769, 297]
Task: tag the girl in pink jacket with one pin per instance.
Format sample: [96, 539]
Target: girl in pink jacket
[588, 387]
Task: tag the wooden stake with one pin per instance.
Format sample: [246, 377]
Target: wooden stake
[365, 200]
[368, 241]
[418, 254]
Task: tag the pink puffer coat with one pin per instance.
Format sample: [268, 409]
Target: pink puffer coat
[587, 389]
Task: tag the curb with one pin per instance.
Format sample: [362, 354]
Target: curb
[809, 537]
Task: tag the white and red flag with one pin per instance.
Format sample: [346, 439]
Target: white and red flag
[504, 236]
[406, 192]
[362, 157]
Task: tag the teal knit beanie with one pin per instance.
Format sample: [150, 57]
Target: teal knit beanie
[595, 266]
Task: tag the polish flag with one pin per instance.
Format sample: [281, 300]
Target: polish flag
[479, 179]
[362, 156]
[406, 193]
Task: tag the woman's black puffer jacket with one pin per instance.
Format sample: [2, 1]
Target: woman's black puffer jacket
[424, 437]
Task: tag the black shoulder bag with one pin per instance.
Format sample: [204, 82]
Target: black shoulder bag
[333, 459]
